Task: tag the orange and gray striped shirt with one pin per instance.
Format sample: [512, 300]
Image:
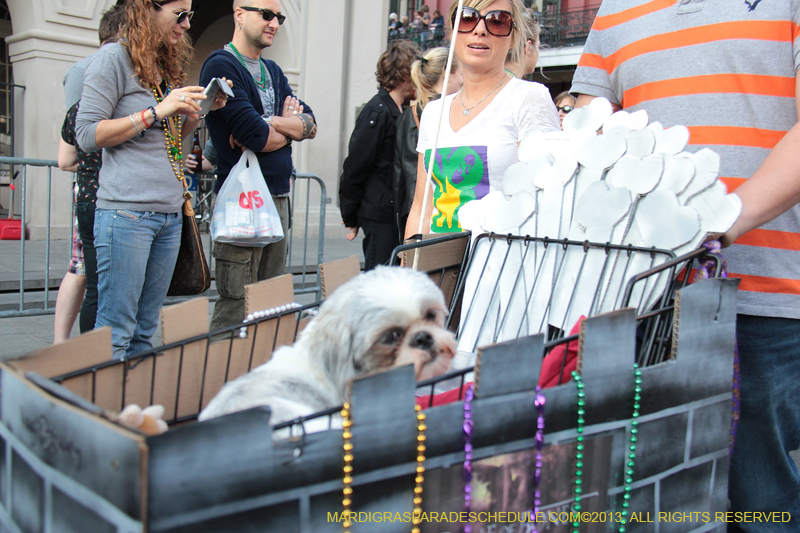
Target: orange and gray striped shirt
[727, 70]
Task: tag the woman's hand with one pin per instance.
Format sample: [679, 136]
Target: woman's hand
[181, 101]
[221, 98]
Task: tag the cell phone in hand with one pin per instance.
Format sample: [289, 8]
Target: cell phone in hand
[214, 86]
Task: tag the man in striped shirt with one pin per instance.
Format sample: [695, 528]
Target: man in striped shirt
[728, 70]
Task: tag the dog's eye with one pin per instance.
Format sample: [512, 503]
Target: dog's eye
[430, 316]
[392, 336]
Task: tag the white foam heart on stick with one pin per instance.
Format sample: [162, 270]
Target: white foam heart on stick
[633, 121]
[706, 164]
[597, 212]
[717, 210]
[638, 175]
[519, 176]
[678, 173]
[664, 223]
[509, 214]
[601, 151]
[640, 143]
[589, 117]
[670, 141]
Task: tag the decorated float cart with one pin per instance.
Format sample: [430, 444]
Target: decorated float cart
[616, 422]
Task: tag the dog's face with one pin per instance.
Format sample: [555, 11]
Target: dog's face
[417, 336]
[386, 318]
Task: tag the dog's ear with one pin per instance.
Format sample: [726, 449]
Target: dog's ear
[330, 343]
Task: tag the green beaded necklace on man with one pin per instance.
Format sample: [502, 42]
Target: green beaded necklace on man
[261, 84]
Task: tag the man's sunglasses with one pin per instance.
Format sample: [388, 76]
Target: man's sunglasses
[498, 22]
[183, 15]
[565, 109]
[267, 14]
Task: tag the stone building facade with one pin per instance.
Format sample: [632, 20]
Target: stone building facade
[327, 48]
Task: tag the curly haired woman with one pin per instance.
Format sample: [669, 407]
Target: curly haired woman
[134, 108]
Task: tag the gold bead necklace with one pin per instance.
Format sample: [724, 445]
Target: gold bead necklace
[172, 139]
[347, 491]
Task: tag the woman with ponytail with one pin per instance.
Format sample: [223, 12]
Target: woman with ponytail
[134, 108]
[427, 75]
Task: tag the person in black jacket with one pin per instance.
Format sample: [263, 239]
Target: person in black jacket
[365, 189]
[427, 74]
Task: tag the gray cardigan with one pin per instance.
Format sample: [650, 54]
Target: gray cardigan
[136, 175]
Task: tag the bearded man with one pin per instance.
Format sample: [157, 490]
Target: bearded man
[265, 117]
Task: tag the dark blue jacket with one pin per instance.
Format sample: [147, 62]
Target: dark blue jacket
[241, 117]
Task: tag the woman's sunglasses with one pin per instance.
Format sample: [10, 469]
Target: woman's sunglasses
[498, 22]
[183, 15]
[267, 14]
[565, 109]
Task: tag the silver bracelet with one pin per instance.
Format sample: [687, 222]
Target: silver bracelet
[136, 126]
[141, 133]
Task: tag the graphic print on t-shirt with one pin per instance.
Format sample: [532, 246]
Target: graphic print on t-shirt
[460, 175]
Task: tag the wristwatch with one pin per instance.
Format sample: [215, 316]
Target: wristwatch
[268, 120]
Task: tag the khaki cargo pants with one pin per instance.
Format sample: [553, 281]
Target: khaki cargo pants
[237, 266]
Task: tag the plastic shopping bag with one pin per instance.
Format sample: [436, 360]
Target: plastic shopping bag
[245, 214]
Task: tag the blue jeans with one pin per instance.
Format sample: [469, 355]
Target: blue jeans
[136, 255]
[763, 477]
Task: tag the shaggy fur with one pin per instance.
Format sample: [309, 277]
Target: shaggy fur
[386, 318]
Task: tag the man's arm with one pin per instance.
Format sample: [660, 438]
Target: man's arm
[585, 99]
[775, 187]
[293, 122]
[246, 126]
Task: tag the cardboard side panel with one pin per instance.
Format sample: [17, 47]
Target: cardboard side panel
[139, 383]
[82, 385]
[184, 320]
[77, 353]
[268, 294]
[208, 463]
[108, 388]
[100, 456]
[336, 273]
[509, 367]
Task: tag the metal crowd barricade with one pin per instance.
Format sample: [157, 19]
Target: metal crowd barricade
[304, 270]
[49, 165]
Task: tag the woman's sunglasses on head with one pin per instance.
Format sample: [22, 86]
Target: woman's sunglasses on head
[565, 109]
[267, 14]
[498, 22]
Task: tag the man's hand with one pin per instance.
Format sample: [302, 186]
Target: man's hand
[291, 107]
[353, 233]
[293, 123]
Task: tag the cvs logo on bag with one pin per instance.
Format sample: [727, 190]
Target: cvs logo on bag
[251, 200]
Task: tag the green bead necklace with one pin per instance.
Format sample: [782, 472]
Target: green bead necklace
[261, 84]
[630, 463]
[579, 447]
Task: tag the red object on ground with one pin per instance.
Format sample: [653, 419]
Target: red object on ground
[10, 229]
[551, 365]
[443, 398]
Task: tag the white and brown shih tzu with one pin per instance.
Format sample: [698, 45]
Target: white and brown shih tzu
[385, 318]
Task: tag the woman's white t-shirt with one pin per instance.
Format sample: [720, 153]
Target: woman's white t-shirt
[471, 162]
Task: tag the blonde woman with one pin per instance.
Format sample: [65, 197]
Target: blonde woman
[526, 64]
[427, 75]
[483, 123]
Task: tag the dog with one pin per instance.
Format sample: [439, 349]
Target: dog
[386, 318]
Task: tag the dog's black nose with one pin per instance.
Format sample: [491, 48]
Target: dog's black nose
[422, 341]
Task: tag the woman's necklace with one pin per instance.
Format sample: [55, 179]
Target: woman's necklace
[468, 110]
[261, 84]
[172, 135]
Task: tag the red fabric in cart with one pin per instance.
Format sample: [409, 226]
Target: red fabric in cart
[551, 364]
